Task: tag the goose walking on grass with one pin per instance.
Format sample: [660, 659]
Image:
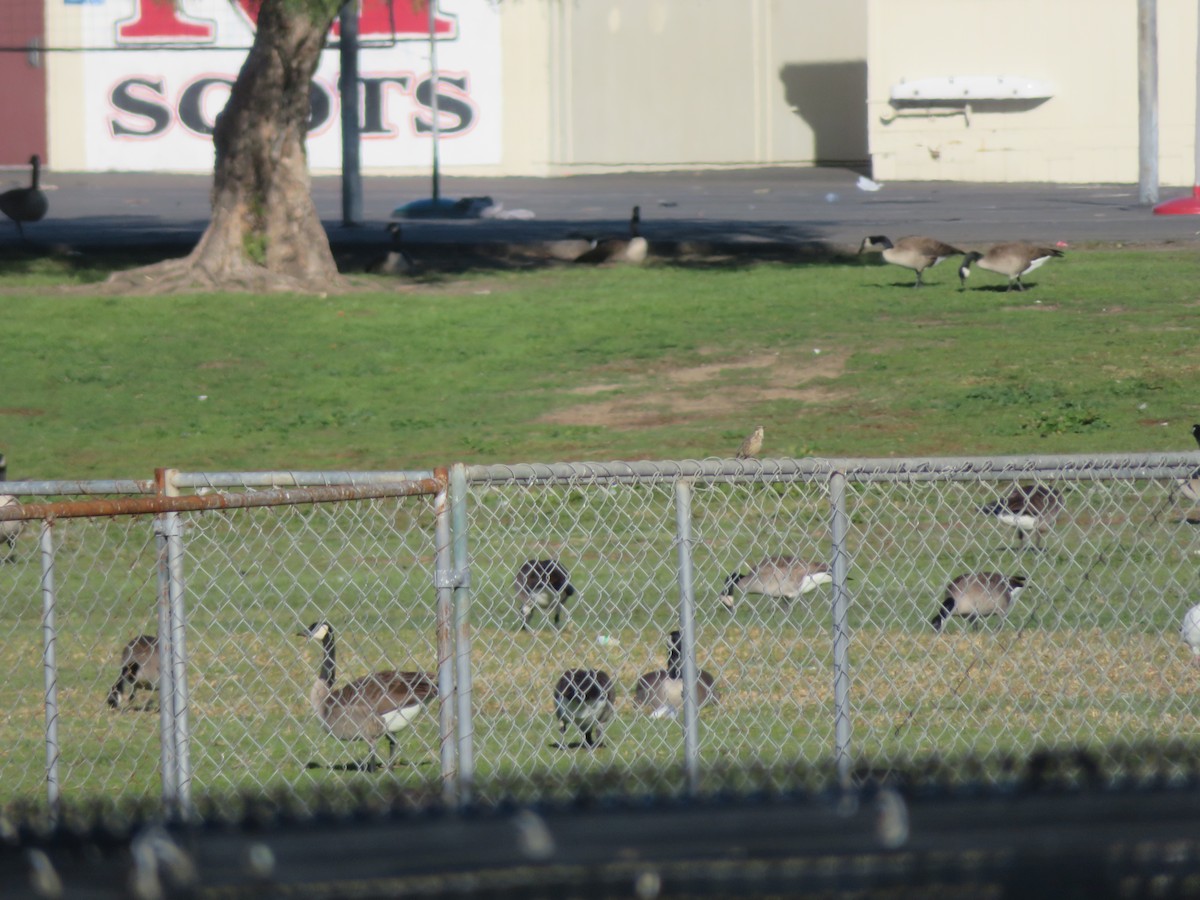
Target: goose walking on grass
[373, 708]
[1190, 632]
[139, 670]
[1011, 260]
[977, 595]
[584, 698]
[26, 204]
[396, 261]
[543, 584]
[11, 529]
[660, 693]
[1189, 488]
[1031, 509]
[784, 577]
[913, 252]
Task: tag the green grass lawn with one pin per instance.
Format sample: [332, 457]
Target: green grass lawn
[568, 364]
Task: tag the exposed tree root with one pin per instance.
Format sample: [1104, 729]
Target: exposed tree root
[186, 275]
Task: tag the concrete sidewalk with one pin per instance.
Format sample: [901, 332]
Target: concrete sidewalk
[745, 208]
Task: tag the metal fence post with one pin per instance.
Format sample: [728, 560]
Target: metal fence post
[179, 689]
[462, 631]
[50, 668]
[687, 628]
[444, 581]
[839, 526]
[166, 676]
[176, 632]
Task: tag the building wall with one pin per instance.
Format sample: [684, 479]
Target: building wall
[584, 85]
[1086, 49]
[670, 83]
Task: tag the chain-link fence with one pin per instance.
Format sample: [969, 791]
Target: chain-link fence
[805, 595]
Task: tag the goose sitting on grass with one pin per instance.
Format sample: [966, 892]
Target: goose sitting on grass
[633, 249]
[660, 693]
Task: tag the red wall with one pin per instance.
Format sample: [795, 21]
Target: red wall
[22, 82]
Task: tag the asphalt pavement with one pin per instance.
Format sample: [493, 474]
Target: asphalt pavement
[746, 208]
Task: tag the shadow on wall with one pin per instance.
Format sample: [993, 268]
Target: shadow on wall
[832, 98]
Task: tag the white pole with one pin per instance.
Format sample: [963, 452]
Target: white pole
[1190, 205]
[1147, 101]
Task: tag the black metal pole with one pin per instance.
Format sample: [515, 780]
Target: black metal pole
[433, 104]
[348, 87]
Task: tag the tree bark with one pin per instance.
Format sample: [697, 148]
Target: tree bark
[265, 233]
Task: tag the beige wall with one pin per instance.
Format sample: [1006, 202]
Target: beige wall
[678, 83]
[1087, 49]
[64, 75]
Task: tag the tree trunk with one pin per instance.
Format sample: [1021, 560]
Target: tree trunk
[265, 233]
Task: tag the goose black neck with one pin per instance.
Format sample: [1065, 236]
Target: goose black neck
[328, 671]
[37, 168]
[943, 614]
[674, 657]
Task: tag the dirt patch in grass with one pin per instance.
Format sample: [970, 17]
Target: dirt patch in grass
[661, 395]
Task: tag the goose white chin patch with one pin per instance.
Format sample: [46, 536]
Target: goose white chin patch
[812, 582]
[1023, 522]
[401, 718]
[320, 633]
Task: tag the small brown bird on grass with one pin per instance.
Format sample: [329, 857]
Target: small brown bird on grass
[752, 445]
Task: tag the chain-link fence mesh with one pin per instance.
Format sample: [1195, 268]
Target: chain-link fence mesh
[1088, 654]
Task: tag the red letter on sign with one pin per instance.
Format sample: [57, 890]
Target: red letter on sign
[402, 19]
[157, 21]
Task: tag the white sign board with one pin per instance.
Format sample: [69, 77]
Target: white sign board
[153, 108]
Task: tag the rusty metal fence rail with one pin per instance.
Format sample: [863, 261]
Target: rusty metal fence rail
[418, 571]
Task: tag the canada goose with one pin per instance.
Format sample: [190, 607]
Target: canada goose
[1190, 632]
[752, 445]
[371, 708]
[543, 584]
[632, 249]
[139, 669]
[783, 577]
[27, 204]
[914, 252]
[1014, 260]
[978, 594]
[660, 693]
[1032, 509]
[584, 698]
[10, 530]
[396, 261]
[1189, 487]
